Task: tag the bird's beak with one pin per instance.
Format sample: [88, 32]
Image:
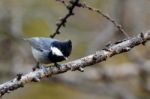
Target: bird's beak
[66, 58]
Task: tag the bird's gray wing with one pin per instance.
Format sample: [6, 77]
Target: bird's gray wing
[41, 43]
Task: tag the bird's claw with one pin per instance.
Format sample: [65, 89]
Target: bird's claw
[37, 66]
[57, 65]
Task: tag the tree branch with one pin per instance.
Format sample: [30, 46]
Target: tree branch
[84, 5]
[62, 22]
[107, 17]
[111, 50]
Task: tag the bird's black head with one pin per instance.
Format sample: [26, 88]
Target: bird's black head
[68, 48]
[64, 47]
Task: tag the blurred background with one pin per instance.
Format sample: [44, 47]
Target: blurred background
[125, 76]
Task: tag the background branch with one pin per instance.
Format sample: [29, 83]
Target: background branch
[75, 3]
[119, 27]
[111, 50]
[72, 4]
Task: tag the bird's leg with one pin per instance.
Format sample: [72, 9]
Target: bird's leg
[37, 66]
[57, 65]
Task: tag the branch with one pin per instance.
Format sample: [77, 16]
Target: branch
[72, 4]
[107, 17]
[111, 50]
[75, 3]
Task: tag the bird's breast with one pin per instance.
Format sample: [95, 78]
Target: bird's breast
[41, 56]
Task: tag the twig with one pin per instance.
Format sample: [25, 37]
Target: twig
[72, 4]
[120, 28]
[84, 5]
[99, 56]
[63, 2]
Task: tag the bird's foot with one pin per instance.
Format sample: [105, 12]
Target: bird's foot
[37, 66]
[57, 65]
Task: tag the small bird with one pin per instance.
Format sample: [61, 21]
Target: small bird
[47, 50]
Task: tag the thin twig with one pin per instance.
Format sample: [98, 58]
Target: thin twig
[120, 28]
[99, 56]
[63, 2]
[72, 4]
[84, 5]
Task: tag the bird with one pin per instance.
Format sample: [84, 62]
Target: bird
[48, 50]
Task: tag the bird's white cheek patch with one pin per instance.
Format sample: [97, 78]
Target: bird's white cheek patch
[56, 51]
